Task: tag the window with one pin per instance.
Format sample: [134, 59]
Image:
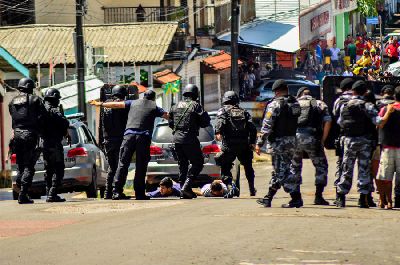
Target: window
[192, 80]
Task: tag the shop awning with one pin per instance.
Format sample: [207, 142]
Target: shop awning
[166, 76]
[219, 61]
[141, 88]
[267, 34]
[69, 91]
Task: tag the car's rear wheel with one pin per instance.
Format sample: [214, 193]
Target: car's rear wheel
[91, 191]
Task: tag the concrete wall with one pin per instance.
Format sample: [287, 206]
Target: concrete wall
[64, 11]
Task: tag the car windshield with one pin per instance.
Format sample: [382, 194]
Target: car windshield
[74, 137]
[163, 134]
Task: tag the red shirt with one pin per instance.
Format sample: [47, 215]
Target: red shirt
[391, 50]
[360, 48]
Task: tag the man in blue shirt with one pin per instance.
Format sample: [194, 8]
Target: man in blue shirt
[137, 138]
[167, 189]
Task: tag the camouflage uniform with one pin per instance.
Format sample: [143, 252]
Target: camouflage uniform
[345, 97]
[357, 148]
[310, 143]
[281, 149]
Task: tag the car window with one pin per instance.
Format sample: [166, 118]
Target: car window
[88, 135]
[85, 140]
[73, 133]
[163, 134]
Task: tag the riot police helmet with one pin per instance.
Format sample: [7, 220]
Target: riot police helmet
[150, 95]
[52, 93]
[191, 91]
[119, 92]
[26, 85]
[230, 98]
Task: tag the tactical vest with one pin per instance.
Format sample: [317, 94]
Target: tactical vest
[236, 130]
[114, 122]
[56, 125]
[310, 116]
[355, 121]
[142, 114]
[24, 112]
[390, 133]
[185, 116]
[286, 122]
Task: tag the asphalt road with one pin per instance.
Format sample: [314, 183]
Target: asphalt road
[201, 231]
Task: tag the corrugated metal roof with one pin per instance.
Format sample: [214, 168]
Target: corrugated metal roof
[136, 42]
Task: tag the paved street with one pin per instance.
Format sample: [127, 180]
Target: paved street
[201, 231]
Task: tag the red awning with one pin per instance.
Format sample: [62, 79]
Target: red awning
[141, 88]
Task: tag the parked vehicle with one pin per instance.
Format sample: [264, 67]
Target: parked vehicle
[85, 165]
[164, 163]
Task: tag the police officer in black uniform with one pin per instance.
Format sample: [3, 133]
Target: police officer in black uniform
[234, 127]
[185, 119]
[55, 129]
[27, 111]
[114, 123]
[137, 138]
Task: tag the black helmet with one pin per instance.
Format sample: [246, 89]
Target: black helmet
[26, 85]
[230, 97]
[52, 93]
[119, 92]
[191, 91]
[150, 95]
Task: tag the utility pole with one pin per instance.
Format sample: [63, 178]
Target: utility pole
[80, 57]
[235, 11]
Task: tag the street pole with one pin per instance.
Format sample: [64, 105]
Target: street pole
[80, 58]
[381, 37]
[235, 11]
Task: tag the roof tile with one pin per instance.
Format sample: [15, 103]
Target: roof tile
[219, 62]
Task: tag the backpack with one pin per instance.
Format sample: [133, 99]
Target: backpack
[238, 121]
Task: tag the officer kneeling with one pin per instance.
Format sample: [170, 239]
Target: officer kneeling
[279, 128]
[238, 134]
[55, 129]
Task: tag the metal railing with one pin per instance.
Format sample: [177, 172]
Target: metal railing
[143, 14]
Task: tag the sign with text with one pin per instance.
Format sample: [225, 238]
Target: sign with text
[315, 22]
[372, 21]
[343, 6]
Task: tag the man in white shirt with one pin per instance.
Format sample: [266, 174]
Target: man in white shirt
[335, 56]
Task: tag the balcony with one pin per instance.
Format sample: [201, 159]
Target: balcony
[142, 14]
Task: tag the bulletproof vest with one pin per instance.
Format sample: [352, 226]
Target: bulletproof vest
[286, 122]
[142, 114]
[24, 112]
[237, 124]
[310, 116]
[343, 99]
[354, 119]
[56, 125]
[390, 133]
[185, 116]
[114, 122]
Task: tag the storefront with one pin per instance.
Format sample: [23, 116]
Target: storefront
[315, 24]
[345, 19]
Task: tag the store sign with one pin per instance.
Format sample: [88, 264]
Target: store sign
[342, 6]
[319, 21]
[315, 22]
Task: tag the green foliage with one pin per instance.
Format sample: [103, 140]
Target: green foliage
[368, 7]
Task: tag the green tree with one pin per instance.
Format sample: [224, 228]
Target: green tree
[368, 7]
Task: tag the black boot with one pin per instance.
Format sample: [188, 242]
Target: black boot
[108, 191]
[319, 199]
[370, 200]
[267, 200]
[119, 195]
[295, 202]
[187, 192]
[53, 197]
[252, 189]
[397, 202]
[340, 200]
[23, 198]
[364, 201]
